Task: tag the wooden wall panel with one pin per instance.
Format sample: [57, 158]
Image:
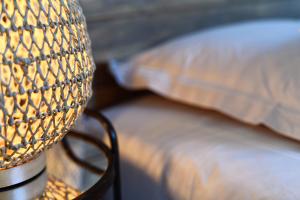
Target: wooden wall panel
[120, 28]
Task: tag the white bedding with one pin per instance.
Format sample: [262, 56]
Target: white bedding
[176, 152]
[248, 70]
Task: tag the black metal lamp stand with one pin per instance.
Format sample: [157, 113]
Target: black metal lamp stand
[110, 176]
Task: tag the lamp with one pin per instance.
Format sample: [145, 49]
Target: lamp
[46, 71]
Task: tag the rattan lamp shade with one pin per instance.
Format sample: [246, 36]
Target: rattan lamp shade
[45, 75]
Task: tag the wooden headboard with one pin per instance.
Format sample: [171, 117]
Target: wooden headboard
[120, 28]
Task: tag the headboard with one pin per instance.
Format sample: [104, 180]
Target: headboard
[120, 28]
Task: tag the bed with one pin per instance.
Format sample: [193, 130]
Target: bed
[174, 151]
[180, 152]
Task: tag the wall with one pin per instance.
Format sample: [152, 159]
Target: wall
[120, 28]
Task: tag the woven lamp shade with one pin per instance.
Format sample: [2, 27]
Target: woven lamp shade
[46, 71]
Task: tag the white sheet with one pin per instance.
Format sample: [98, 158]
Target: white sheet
[172, 151]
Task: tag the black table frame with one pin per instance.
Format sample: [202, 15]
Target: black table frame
[111, 175]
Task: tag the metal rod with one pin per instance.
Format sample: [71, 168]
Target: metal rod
[114, 149]
[75, 158]
[112, 173]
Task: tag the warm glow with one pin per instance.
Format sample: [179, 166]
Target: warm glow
[58, 190]
[45, 75]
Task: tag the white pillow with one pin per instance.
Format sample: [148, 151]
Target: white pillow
[250, 71]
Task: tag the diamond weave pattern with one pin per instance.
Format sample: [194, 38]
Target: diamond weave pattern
[46, 71]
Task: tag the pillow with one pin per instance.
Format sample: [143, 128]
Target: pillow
[250, 71]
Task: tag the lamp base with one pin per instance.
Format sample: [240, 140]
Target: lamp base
[24, 182]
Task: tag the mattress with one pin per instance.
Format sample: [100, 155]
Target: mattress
[178, 152]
